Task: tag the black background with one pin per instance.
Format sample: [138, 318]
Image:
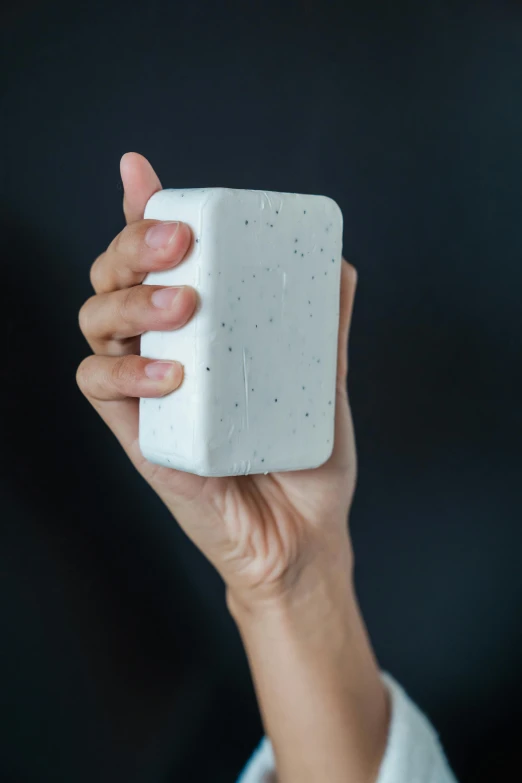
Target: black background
[118, 660]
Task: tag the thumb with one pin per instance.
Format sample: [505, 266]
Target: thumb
[348, 287]
[140, 181]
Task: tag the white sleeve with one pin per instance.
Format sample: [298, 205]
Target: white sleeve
[413, 752]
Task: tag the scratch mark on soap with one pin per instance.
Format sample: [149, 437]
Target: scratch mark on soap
[242, 468]
[267, 198]
[245, 380]
[283, 298]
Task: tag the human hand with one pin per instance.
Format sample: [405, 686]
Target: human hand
[261, 532]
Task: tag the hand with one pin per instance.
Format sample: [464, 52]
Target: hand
[261, 532]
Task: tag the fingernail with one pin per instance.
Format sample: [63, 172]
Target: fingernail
[161, 371]
[164, 297]
[161, 234]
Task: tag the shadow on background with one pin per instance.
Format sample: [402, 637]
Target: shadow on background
[114, 662]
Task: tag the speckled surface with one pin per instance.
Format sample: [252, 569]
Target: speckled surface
[260, 353]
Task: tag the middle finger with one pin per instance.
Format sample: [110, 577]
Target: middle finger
[108, 319]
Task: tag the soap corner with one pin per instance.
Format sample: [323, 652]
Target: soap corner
[333, 207]
[156, 199]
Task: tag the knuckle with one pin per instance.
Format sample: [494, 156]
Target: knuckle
[116, 245]
[84, 316]
[123, 370]
[128, 241]
[95, 272]
[83, 374]
[126, 306]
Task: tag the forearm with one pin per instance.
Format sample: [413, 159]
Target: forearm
[321, 696]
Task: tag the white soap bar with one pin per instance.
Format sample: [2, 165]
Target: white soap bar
[260, 353]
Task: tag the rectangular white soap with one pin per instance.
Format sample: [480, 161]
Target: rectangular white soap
[260, 353]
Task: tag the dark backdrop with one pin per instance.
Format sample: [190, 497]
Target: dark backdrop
[118, 661]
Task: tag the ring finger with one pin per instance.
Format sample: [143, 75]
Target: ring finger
[106, 379]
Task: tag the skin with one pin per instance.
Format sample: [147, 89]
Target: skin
[280, 541]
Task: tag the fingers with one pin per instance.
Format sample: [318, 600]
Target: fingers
[343, 456]
[142, 247]
[108, 320]
[347, 296]
[104, 378]
[140, 182]
[125, 264]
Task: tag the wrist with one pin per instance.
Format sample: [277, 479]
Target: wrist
[321, 585]
[316, 676]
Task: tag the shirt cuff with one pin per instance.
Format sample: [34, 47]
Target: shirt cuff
[413, 751]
